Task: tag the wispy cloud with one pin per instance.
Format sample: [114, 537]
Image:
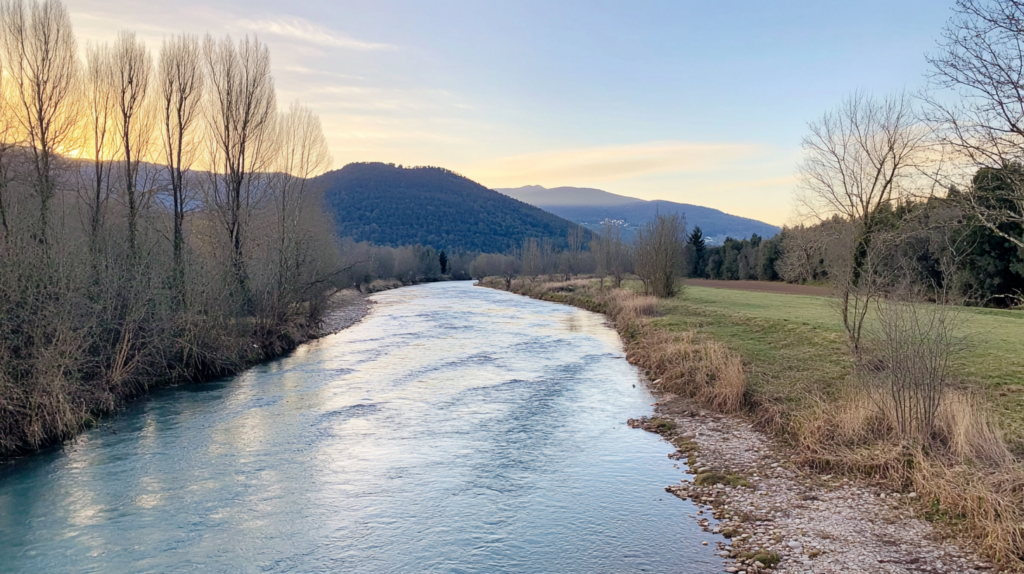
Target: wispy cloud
[609, 163]
[311, 72]
[306, 31]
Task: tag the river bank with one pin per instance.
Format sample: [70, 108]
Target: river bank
[343, 309]
[794, 519]
[782, 512]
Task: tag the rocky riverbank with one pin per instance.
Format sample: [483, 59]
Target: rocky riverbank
[774, 517]
[346, 308]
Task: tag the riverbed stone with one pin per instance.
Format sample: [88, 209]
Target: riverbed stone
[810, 522]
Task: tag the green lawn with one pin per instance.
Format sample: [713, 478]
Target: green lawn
[793, 343]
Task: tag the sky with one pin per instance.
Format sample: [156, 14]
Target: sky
[689, 101]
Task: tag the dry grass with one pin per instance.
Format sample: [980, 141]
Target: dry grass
[682, 363]
[964, 474]
[687, 365]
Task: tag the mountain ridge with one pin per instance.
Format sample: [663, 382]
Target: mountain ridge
[432, 206]
[590, 207]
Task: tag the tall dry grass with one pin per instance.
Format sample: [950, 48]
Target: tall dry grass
[682, 363]
[964, 473]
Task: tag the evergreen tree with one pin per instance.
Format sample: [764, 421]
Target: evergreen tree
[443, 260]
[696, 239]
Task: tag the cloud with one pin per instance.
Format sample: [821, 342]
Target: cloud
[611, 163]
[306, 31]
[311, 72]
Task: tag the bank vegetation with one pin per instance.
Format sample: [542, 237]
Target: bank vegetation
[157, 221]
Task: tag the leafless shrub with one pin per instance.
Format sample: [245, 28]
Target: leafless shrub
[909, 359]
[658, 254]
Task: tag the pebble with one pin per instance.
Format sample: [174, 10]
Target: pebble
[816, 524]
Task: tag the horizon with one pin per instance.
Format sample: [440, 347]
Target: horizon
[675, 101]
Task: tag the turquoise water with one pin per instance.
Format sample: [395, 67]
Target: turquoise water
[455, 429]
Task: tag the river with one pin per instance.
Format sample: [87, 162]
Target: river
[454, 429]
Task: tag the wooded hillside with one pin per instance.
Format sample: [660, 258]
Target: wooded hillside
[431, 206]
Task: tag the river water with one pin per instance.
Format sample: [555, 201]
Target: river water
[455, 429]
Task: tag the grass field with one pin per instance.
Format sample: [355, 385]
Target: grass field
[792, 344]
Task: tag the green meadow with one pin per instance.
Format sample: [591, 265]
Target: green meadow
[794, 347]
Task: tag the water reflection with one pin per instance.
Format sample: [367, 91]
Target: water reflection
[456, 429]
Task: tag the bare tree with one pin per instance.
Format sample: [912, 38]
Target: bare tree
[303, 155]
[575, 241]
[858, 158]
[132, 67]
[180, 76]
[981, 60]
[659, 253]
[8, 143]
[99, 94]
[240, 115]
[531, 258]
[610, 253]
[41, 54]
[599, 247]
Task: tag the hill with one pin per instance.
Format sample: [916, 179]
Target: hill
[590, 207]
[567, 196]
[393, 205]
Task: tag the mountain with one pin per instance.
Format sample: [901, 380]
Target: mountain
[590, 207]
[393, 205]
[567, 196]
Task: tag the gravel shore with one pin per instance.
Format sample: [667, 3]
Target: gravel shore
[346, 308]
[777, 512]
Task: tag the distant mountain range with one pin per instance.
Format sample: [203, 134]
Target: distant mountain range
[591, 207]
[393, 205]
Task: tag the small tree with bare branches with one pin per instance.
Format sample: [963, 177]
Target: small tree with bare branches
[859, 158]
[658, 254]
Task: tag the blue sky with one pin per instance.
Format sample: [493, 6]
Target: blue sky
[698, 102]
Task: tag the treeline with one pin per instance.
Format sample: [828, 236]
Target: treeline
[657, 256]
[371, 267]
[157, 218]
[934, 243]
[751, 259]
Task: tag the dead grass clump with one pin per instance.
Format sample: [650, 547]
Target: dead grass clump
[964, 471]
[988, 505]
[963, 426]
[565, 286]
[702, 369]
[628, 307]
[723, 478]
[379, 285]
